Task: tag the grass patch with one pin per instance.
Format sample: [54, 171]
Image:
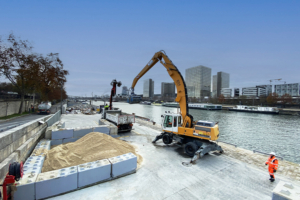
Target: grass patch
[13, 115]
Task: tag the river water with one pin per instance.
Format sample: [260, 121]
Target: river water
[260, 132]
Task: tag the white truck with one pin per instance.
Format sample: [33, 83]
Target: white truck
[44, 107]
[121, 120]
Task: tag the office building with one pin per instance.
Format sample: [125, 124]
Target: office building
[167, 89]
[292, 89]
[264, 90]
[222, 81]
[124, 90]
[249, 91]
[226, 92]
[214, 86]
[236, 92]
[198, 81]
[148, 91]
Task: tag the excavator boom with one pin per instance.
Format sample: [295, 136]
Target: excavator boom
[182, 97]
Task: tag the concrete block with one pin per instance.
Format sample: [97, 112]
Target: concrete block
[5, 163]
[5, 152]
[102, 129]
[56, 142]
[113, 130]
[35, 170]
[61, 134]
[80, 132]
[93, 172]
[24, 147]
[5, 139]
[33, 159]
[33, 163]
[48, 133]
[26, 187]
[56, 182]
[123, 164]
[61, 125]
[45, 144]
[101, 122]
[286, 191]
[69, 140]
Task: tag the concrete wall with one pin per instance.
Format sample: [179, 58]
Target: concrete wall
[12, 107]
[16, 144]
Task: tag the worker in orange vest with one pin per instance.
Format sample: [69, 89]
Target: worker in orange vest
[273, 166]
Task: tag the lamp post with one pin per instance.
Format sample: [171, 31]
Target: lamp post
[61, 85]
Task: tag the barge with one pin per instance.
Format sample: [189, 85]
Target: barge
[255, 109]
[204, 106]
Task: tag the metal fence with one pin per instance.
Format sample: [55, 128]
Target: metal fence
[54, 118]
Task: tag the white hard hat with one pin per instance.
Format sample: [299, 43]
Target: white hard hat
[272, 153]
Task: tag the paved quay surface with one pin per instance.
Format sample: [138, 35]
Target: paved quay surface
[162, 175]
[19, 121]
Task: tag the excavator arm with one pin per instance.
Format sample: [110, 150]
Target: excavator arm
[182, 97]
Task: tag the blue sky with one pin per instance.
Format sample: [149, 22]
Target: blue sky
[253, 41]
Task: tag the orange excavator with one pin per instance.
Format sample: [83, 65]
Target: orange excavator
[197, 137]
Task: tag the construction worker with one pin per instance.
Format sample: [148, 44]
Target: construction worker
[273, 166]
[106, 107]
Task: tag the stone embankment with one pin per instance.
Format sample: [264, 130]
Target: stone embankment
[287, 169]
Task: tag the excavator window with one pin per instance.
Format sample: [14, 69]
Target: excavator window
[179, 120]
[168, 121]
[175, 122]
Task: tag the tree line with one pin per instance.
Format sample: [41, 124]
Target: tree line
[271, 100]
[31, 72]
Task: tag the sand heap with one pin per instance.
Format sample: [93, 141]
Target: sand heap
[93, 146]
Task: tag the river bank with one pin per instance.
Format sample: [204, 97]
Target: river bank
[287, 169]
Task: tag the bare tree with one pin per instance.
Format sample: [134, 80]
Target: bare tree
[14, 61]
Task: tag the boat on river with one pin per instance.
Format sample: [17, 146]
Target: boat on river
[255, 109]
[145, 102]
[203, 106]
[171, 104]
[157, 103]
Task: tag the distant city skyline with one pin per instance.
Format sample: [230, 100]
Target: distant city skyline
[98, 41]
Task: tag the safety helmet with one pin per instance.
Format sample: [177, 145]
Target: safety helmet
[272, 153]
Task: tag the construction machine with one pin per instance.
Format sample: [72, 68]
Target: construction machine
[198, 138]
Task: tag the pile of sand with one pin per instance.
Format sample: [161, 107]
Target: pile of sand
[93, 146]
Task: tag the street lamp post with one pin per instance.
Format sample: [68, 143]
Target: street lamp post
[61, 85]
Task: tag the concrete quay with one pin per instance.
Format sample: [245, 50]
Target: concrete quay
[162, 175]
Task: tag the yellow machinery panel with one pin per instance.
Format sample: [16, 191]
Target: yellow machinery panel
[207, 133]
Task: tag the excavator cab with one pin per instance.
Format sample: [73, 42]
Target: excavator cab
[171, 122]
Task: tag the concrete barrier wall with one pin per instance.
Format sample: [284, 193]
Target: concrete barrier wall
[16, 144]
[12, 107]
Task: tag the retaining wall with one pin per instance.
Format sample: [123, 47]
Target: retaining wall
[12, 107]
[16, 144]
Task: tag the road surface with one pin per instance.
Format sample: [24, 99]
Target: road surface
[18, 121]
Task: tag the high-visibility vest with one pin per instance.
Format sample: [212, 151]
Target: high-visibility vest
[272, 162]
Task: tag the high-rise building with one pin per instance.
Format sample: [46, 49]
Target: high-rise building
[292, 89]
[148, 88]
[198, 81]
[124, 90]
[222, 81]
[214, 86]
[167, 89]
